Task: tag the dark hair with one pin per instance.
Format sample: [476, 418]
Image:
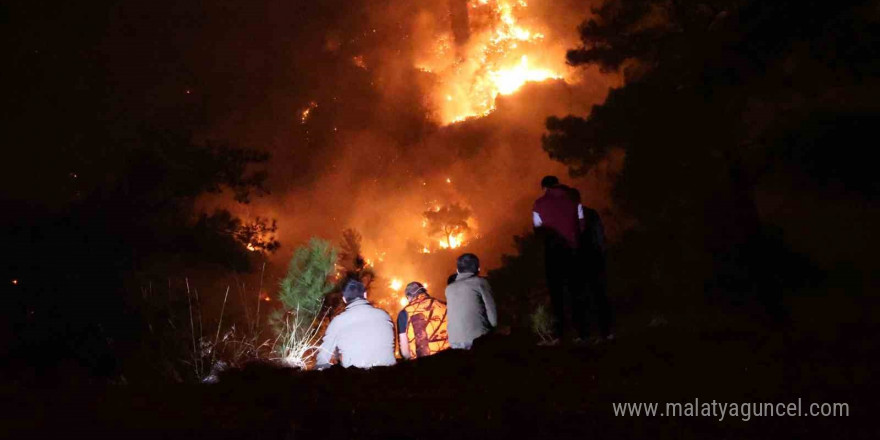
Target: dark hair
[468, 263]
[353, 290]
[549, 182]
[451, 279]
[414, 288]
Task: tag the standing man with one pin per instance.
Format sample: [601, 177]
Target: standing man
[558, 216]
[362, 336]
[421, 325]
[471, 307]
[592, 264]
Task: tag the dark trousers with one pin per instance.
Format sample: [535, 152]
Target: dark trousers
[566, 286]
[577, 281]
[595, 292]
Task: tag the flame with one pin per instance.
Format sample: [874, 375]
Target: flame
[395, 284]
[403, 301]
[495, 61]
[440, 239]
[452, 242]
[510, 80]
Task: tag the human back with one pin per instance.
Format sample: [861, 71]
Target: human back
[426, 326]
[471, 306]
[556, 214]
[361, 336]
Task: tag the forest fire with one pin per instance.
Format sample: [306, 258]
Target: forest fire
[452, 241]
[223, 218]
[414, 192]
[395, 284]
[510, 80]
[447, 225]
[502, 54]
[418, 250]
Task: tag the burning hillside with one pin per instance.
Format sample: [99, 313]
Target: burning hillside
[500, 50]
[420, 127]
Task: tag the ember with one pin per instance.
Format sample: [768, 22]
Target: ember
[304, 116]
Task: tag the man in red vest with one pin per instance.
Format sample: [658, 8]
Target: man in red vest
[558, 217]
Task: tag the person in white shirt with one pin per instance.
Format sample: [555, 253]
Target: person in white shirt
[362, 336]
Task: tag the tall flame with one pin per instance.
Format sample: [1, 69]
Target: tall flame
[494, 62]
[510, 80]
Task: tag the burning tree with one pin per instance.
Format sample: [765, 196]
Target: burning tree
[309, 279]
[259, 235]
[450, 222]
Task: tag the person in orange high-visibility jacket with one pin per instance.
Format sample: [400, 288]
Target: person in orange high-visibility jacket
[421, 325]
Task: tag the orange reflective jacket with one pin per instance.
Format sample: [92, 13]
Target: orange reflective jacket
[426, 326]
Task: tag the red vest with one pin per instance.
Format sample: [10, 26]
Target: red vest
[559, 214]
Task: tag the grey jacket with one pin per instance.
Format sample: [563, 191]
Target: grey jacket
[470, 308]
[363, 335]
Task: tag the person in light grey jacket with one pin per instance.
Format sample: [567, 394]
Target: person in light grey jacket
[361, 336]
[470, 306]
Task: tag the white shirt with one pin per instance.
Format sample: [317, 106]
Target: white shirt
[363, 335]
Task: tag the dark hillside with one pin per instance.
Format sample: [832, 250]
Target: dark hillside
[505, 388]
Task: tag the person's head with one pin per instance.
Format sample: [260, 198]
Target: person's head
[468, 263]
[353, 290]
[549, 182]
[413, 289]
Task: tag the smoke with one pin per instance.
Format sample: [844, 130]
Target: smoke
[375, 150]
[458, 13]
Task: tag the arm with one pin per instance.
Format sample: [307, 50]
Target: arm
[401, 335]
[404, 346]
[328, 346]
[581, 220]
[536, 220]
[489, 301]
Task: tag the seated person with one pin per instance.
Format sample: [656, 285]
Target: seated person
[421, 325]
[361, 336]
[471, 306]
